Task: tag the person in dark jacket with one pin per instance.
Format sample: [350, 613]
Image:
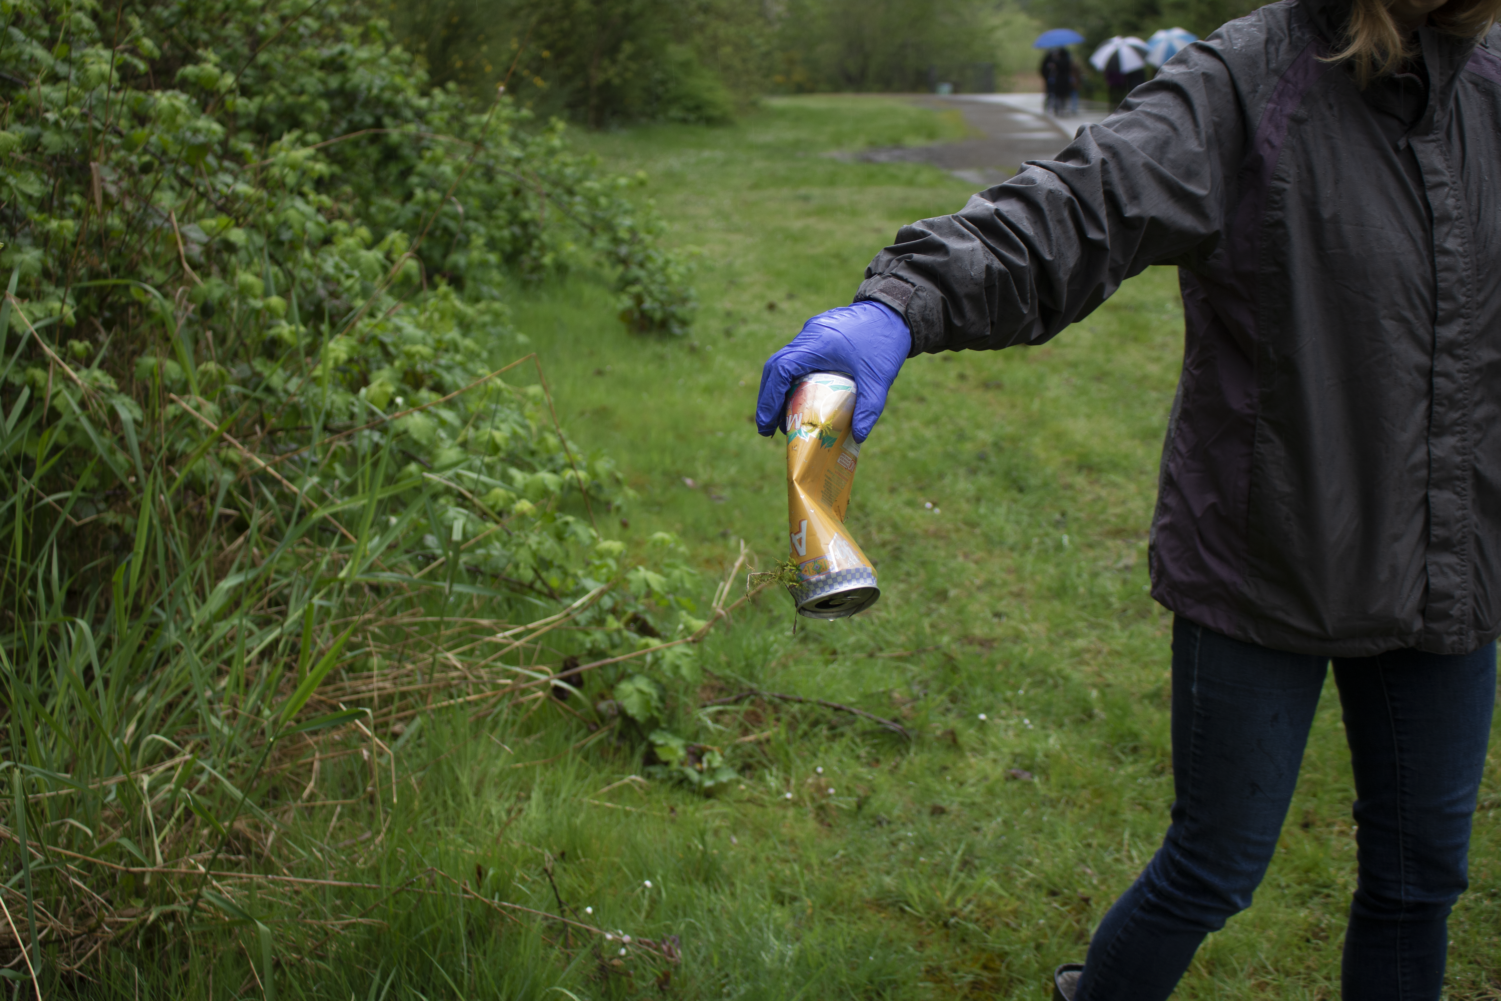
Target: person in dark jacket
[1322, 173]
[1057, 72]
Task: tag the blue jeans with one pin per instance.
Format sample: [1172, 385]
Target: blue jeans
[1417, 725]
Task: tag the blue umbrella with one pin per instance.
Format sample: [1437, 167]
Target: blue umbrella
[1056, 38]
[1163, 45]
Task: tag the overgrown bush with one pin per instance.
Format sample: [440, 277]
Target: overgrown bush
[264, 482]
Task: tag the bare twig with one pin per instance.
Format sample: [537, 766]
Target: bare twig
[756, 693]
[35, 985]
[665, 950]
[262, 464]
[181, 253]
[15, 304]
[719, 614]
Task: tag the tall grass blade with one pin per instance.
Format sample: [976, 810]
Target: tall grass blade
[24, 839]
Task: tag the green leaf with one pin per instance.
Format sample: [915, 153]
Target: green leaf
[640, 697]
[332, 719]
[314, 678]
[204, 815]
[643, 581]
[240, 915]
[129, 846]
[128, 427]
[669, 746]
[228, 906]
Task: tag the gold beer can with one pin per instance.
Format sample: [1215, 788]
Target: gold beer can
[834, 579]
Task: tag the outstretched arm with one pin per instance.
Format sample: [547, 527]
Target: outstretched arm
[1026, 258]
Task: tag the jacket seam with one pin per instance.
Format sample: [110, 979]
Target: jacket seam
[1465, 484]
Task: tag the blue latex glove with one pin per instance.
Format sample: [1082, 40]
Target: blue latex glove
[867, 340]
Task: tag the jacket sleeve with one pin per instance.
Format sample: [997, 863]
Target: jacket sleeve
[1026, 258]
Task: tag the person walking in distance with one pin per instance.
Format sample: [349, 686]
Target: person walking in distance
[1321, 174]
[1057, 80]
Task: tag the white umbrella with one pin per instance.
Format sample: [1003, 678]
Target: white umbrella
[1129, 48]
[1165, 44]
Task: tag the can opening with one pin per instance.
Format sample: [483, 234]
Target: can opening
[840, 604]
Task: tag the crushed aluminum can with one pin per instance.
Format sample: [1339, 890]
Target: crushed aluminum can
[835, 579]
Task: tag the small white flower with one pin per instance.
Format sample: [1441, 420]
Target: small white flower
[789, 795]
[609, 937]
[622, 952]
[982, 717]
[648, 884]
[831, 790]
[819, 769]
[588, 910]
[625, 938]
[928, 505]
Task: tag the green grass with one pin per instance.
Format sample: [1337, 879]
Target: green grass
[1024, 599]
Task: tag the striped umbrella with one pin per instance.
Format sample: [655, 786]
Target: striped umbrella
[1128, 50]
[1165, 44]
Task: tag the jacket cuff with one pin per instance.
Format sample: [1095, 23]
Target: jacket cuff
[897, 294]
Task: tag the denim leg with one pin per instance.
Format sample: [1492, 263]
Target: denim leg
[1417, 725]
[1241, 716]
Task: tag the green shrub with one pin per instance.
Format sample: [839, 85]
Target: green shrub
[263, 484]
[688, 91]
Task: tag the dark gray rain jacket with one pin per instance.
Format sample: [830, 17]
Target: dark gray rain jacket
[1331, 481]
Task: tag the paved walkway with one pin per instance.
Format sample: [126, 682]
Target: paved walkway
[1014, 130]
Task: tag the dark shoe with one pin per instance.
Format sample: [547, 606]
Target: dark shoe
[1066, 981]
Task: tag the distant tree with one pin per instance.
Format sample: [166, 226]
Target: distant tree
[883, 45]
[597, 61]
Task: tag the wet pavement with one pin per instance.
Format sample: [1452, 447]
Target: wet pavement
[1013, 127]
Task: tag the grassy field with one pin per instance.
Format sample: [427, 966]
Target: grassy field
[1006, 499]
[1014, 634]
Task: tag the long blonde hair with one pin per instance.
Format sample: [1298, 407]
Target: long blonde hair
[1376, 46]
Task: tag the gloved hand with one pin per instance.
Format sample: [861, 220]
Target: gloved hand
[867, 340]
